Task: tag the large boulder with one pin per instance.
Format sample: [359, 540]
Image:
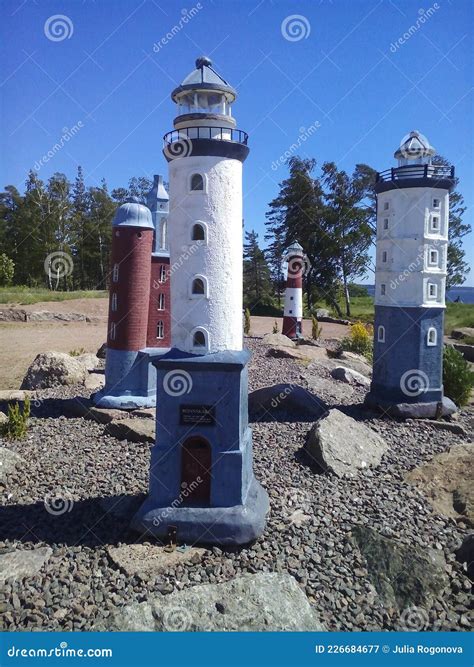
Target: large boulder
[462, 332]
[252, 603]
[278, 340]
[22, 563]
[322, 313]
[285, 352]
[403, 576]
[53, 369]
[280, 400]
[9, 460]
[350, 376]
[465, 554]
[447, 481]
[90, 361]
[134, 430]
[341, 445]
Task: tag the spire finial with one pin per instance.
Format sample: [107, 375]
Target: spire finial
[203, 61]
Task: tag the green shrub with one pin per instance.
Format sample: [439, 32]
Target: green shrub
[458, 379]
[7, 270]
[360, 340]
[17, 425]
[247, 322]
[316, 328]
[275, 327]
[77, 353]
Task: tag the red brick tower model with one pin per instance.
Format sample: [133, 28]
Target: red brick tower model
[159, 319]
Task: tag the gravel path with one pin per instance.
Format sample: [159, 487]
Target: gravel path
[72, 465]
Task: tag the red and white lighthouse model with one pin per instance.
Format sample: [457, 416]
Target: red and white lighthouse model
[293, 313]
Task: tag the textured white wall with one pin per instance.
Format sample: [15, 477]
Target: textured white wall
[295, 305]
[407, 273]
[219, 258]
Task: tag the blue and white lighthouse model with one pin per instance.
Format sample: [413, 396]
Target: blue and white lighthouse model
[202, 486]
[410, 282]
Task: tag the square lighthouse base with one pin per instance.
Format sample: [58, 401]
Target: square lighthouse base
[201, 474]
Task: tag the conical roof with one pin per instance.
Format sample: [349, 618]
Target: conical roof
[204, 77]
[414, 146]
[295, 248]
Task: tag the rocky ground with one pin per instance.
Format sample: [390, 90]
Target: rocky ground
[360, 547]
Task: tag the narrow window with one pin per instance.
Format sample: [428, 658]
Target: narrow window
[291, 298]
[113, 331]
[385, 223]
[197, 182]
[160, 330]
[114, 301]
[162, 274]
[198, 286]
[199, 339]
[432, 290]
[291, 312]
[432, 337]
[381, 334]
[382, 289]
[386, 206]
[198, 233]
[384, 256]
[433, 257]
[435, 223]
[436, 203]
[161, 301]
[115, 273]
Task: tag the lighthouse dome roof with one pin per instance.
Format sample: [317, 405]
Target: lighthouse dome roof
[414, 146]
[295, 247]
[133, 214]
[204, 77]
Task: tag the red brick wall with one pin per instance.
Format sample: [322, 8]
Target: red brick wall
[154, 315]
[131, 250]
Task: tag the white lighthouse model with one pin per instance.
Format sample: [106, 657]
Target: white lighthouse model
[202, 486]
[410, 282]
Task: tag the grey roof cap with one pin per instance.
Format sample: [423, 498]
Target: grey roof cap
[204, 77]
[295, 247]
[415, 145]
[133, 214]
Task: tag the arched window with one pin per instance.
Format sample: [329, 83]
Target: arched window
[160, 330]
[197, 182]
[432, 337]
[199, 339]
[114, 301]
[161, 301]
[115, 273]
[198, 233]
[198, 286]
[163, 274]
[381, 334]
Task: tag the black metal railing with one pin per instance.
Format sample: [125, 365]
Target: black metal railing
[416, 171]
[206, 132]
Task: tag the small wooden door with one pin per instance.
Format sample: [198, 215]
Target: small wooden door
[196, 471]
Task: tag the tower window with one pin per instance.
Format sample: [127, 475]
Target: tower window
[198, 233]
[163, 274]
[382, 289]
[386, 206]
[198, 287]
[436, 203]
[434, 226]
[114, 302]
[385, 223]
[161, 301]
[433, 257]
[291, 298]
[431, 337]
[113, 331]
[199, 339]
[381, 334]
[160, 330]
[384, 256]
[197, 182]
[115, 273]
[432, 290]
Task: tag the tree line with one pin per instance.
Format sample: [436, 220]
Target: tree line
[330, 212]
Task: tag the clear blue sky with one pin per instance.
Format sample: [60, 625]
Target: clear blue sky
[344, 73]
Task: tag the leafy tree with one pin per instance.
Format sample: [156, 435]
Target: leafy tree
[7, 270]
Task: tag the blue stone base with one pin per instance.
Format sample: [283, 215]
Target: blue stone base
[226, 526]
[425, 410]
[130, 379]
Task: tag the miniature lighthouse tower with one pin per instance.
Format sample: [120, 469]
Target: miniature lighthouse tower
[410, 277]
[159, 319]
[201, 479]
[293, 313]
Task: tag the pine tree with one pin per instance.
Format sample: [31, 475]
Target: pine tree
[257, 284]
